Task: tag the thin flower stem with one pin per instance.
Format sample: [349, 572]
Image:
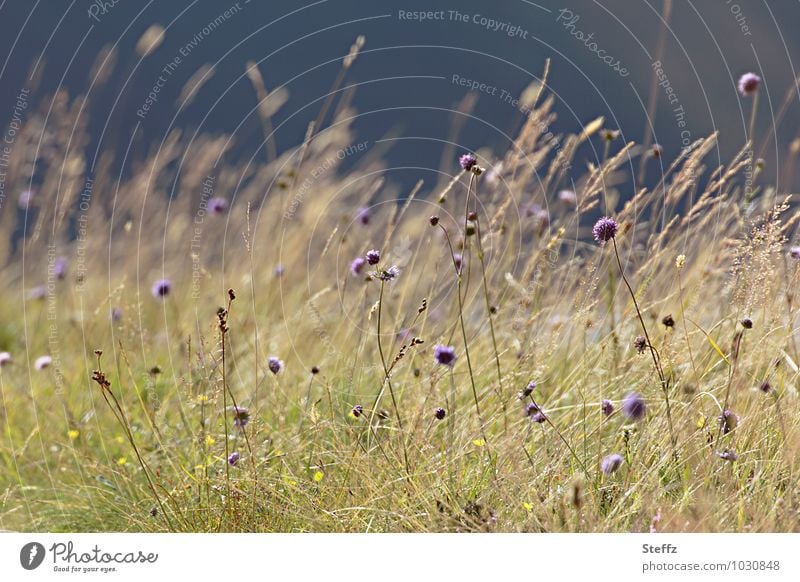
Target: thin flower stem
[653, 352]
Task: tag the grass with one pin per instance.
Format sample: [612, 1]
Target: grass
[131, 426]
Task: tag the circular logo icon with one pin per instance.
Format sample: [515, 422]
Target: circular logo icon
[31, 555]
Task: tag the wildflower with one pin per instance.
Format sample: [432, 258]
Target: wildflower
[728, 455]
[605, 229]
[633, 406]
[458, 259]
[279, 271]
[60, 268]
[315, 370]
[439, 413]
[531, 408]
[73, 434]
[357, 410]
[611, 463]
[794, 252]
[357, 265]
[241, 416]
[274, 364]
[538, 417]
[668, 321]
[115, 314]
[528, 390]
[765, 386]
[748, 84]
[233, 458]
[434, 220]
[373, 257]
[467, 162]
[5, 358]
[640, 343]
[607, 407]
[37, 293]
[469, 229]
[747, 323]
[25, 199]
[680, 261]
[42, 362]
[362, 216]
[445, 355]
[217, 205]
[568, 197]
[728, 421]
[161, 288]
[388, 274]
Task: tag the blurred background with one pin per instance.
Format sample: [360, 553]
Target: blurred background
[405, 73]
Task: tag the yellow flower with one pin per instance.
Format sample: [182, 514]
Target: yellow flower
[528, 506]
[479, 442]
[122, 461]
[209, 440]
[73, 434]
[680, 261]
[319, 476]
[202, 398]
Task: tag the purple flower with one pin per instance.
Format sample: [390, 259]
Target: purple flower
[633, 406]
[42, 362]
[358, 410]
[467, 162]
[115, 314]
[568, 197]
[25, 199]
[605, 229]
[728, 455]
[794, 252]
[60, 267]
[765, 386]
[444, 355]
[161, 288]
[274, 364]
[607, 407]
[37, 293]
[611, 463]
[728, 421]
[458, 259]
[439, 413]
[747, 323]
[388, 274]
[531, 409]
[640, 343]
[241, 416]
[279, 271]
[217, 205]
[748, 84]
[357, 266]
[527, 391]
[233, 458]
[362, 216]
[373, 257]
[538, 417]
[5, 358]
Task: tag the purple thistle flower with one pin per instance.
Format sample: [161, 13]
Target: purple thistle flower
[467, 162]
[217, 205]
[241, 416]
[373, 257]
[439, 413]
[611, 463]
[728, 421]
[640, 343]
[747, 323]
[5, 358]
[274, 364]
[531, 409]
[161, 288]
[60, 267]
[362, 216]
[765, 386]
[607, 407]
[634, 406]
[444, 355]
[527, 391]
[794, 252]
[42, 362]
[358, 410]
[115, 314]
[279, 271]
[357, 266]
[388, 274]
[604, 230]
[538, 417]
[728, 455]
[458, 259]
[748, 84]
[37, 293]
[233, 458]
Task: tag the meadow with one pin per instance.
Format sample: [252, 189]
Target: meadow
[573, 335]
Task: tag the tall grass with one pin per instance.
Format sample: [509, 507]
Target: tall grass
[147, 445]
